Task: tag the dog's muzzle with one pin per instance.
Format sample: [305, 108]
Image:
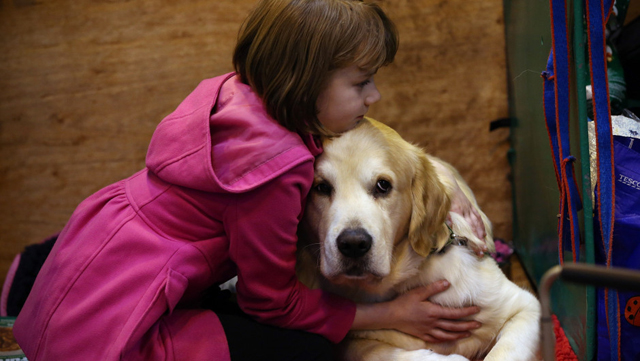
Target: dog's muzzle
[354, 242]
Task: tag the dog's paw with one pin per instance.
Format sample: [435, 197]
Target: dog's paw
[427, 355]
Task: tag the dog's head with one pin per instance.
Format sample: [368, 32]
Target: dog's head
[372, 190]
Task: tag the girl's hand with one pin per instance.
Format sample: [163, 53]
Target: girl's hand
[414, 314]
[419, 317]
[462, 205]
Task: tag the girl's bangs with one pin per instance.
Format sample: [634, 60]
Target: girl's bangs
[373, 55]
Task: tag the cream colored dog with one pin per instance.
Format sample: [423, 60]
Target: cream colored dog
[375, 227]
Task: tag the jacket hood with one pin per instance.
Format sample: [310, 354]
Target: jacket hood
[220, 138]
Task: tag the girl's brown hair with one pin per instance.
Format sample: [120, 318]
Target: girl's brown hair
[287, 50]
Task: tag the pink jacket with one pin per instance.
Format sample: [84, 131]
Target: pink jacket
[222, 195]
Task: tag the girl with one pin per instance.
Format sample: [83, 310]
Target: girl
[224, 188]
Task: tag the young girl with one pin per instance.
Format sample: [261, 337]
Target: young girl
[222, 194]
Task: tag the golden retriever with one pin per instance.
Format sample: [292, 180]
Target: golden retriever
[375, 227]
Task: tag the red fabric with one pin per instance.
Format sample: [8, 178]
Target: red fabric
[564, 352]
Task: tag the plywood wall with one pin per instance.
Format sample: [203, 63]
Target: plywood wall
[84, 83]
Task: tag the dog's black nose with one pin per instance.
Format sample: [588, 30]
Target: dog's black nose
[354, 243]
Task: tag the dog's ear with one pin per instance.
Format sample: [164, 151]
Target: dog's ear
[431, 205]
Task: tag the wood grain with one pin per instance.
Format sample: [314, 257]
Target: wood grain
[84, 83]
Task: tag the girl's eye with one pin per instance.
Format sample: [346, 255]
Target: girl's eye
[324, 188]
[364, 83]
[383, 187]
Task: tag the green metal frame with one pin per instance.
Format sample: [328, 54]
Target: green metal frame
[582, 73]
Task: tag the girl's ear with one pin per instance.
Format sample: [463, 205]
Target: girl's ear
[431, 205]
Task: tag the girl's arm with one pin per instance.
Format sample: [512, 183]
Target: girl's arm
[261, 225]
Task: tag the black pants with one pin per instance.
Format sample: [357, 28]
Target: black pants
[250, 340]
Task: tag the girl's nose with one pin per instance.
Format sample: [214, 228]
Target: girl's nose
[372, 96]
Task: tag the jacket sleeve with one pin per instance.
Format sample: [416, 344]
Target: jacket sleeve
[261, 226]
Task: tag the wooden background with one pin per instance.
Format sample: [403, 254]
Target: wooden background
[84, 83]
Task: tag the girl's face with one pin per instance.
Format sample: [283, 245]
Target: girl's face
[346, 98]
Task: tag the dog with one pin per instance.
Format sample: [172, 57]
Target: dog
[375, 227]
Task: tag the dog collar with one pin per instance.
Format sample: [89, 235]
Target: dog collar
[454, 240]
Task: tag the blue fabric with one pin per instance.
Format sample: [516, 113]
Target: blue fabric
[602, 116]
[620, 310]
[598, 12]
[557, 114]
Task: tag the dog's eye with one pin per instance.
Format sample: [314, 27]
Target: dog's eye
[324, 188]
[383, 186]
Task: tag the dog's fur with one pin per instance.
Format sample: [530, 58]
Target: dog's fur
[405, 220]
